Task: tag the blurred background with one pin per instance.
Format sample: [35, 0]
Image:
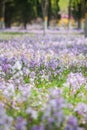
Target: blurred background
[45, 13]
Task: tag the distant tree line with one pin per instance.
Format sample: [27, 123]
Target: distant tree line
[78, 9]
[23, 11]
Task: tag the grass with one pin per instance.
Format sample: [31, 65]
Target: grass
[10, 35]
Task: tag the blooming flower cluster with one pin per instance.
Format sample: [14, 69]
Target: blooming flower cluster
[75, 81]
[43, 82]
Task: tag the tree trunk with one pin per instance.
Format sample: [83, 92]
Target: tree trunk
[2, 13]
[7, 23]
[85, 26]
[49, 12]
[45, 24]
[79, 23]
[79, 15]
[69, 12]
[25, 25]
[45, 6]
[57, 8]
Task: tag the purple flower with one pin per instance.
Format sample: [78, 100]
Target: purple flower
[20, 124]
[72, 124]
[5, 120]
[72, 121]
[81, 109]
[75, 81]
[4, 67]
[41, 127]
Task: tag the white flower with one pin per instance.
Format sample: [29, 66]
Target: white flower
[32, 112]
[9, 90]
[17, 65]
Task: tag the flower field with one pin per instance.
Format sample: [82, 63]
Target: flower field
[43, 82]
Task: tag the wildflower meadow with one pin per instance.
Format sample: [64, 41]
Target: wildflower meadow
[43, 81]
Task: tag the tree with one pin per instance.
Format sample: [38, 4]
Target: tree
[49, 11]
[55, 8]
[45, 5]
[2, 12]
[76, 9]
[39, 8]
[9, 13]
[69, 12]
[77, 12]
[24, 11]
[85, 15]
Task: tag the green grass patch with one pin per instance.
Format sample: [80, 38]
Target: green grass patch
[10, 35]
